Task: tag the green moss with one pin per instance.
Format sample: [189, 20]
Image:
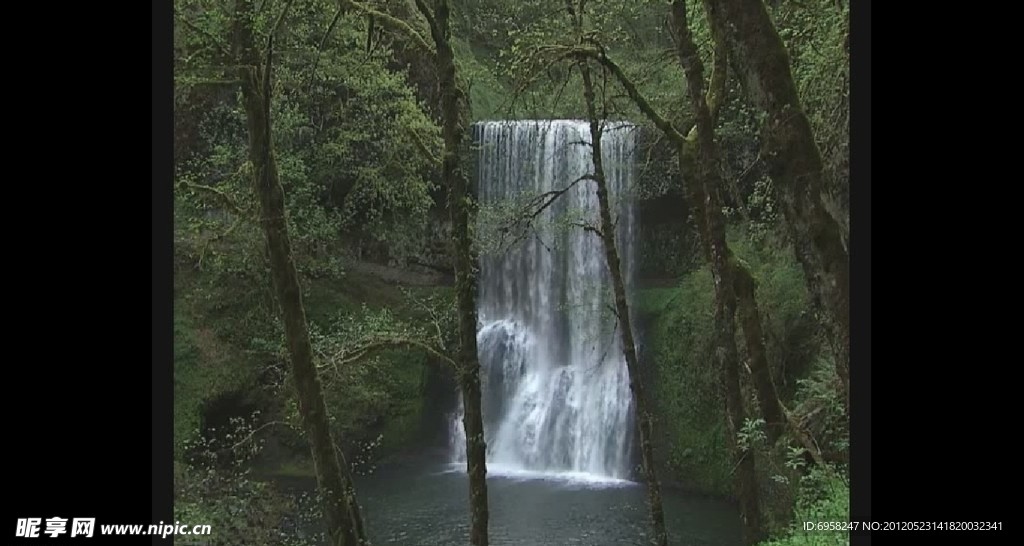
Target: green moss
[324, 299]
[205, 367]
[487, 94]
[678, 323]
[686, 389]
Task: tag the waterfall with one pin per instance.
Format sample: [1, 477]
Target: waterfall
[556, 398]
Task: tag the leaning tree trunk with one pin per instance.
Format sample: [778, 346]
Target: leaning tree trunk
[794, 164]
[722, 271]
[339, 505]
[750, 319]
[607, 231]
[745, 287]
[729, 276]
[453, 112]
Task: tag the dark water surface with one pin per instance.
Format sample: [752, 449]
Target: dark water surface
[426, 504]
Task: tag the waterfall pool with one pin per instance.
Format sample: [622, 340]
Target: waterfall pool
[425, 503]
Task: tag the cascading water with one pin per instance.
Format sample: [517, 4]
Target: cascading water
[556, 398]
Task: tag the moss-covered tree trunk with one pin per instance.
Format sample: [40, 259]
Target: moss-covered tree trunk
[794, 164]
[723, 265]
[749, 317]
[454, 108]
[340, 508]
[607, 231]
[454, 115]
[744, 285]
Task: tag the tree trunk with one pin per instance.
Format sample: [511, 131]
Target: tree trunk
[744, 284]
[340, 508]
[750, 320]
[454, 114]
[726, 304]
[794, 164]
[453, 111]
[723, 264]
[643, 415]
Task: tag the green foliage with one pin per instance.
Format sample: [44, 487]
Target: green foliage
[187, 398]
[678, 327]
[487, 93]
[751, 434]
[362, 393]
[365, 161]
[794, 487]
[819, 408]
[824, 497]
[215, 486]
[347, 133]
[509, 38]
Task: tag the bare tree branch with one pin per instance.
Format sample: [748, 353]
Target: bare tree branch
[805, 439]
[587, 227]
[207, 81]
[523, 222]
[430, 311]
[373, 345]
[219, 193]
[249, 436]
